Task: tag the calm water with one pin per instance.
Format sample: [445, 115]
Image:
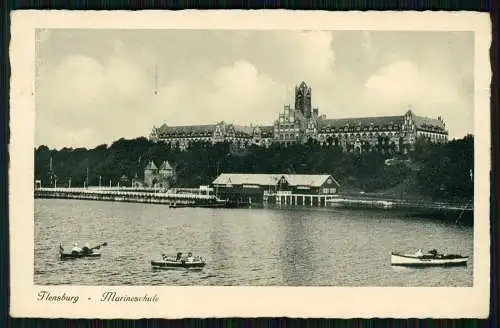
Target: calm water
[242, 246]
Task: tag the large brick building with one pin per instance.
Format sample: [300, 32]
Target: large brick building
[303, 123]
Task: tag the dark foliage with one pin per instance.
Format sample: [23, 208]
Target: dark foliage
[438, 171]
[447, 170]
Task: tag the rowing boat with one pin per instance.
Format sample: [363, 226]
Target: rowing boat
[86, 252]
[165, 264]
[179, 262]
[76, 255]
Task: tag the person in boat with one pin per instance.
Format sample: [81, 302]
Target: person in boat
[76, 249]
[436, 254]
[190, 257]
[419, 253]
[86, 249]
[179, 256]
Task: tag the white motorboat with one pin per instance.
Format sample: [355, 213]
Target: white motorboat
[433, 258]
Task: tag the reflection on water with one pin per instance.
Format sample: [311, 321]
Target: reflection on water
[292, 247]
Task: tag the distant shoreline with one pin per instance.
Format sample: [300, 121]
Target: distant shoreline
[450, 211]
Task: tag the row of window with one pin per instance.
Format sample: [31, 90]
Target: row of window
[357, 129]
[359, 135]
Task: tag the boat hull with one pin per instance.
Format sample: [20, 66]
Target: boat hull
[177, 265]
[71, 256]
[409, 260]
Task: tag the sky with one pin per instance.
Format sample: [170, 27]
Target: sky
[96, 86]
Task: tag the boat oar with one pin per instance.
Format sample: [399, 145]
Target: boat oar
[99, 246]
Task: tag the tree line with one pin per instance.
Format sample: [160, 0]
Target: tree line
[433, 170]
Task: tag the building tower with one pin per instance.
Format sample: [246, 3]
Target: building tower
[150, 174]
[166, 170]
[303, 100]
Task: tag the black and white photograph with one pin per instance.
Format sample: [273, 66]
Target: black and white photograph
[312, 157]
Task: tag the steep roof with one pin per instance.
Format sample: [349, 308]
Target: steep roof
[427, 122]
[303, 85]
[360, 122]
[165, 166]
[244, 178]
[206, 130]
[309, 180]
[186, 129]
[248, 130]
[151, 166]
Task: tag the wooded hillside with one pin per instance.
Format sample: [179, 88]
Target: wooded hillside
[432, 170]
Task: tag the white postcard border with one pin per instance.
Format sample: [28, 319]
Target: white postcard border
[176, 302]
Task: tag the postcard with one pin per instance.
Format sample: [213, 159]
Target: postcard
[171, 164]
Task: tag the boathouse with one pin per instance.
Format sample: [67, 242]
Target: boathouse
[294, 189]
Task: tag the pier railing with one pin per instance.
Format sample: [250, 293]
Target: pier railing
[190, 191]
[129, 195]
[196, 196]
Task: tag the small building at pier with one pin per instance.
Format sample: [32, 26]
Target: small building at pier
[155, 177]
[293, 189]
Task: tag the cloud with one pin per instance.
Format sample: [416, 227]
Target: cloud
[315, 54]
[94, 87]
[306, 55]
[392, 88]
[103, 95]
[81, 79]
[370, 50]
[83, 94]
[403, 83]
[237, 93]
[243, 94]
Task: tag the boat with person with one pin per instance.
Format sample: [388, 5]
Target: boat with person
[179, 262]
[432, 258]
[77, 252]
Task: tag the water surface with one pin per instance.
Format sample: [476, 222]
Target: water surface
[244, 247]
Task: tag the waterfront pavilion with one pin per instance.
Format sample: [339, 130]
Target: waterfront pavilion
[293, 189]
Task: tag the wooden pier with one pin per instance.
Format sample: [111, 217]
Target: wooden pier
[184, 197]
[340, 201]
[285, 198]
[172, 197]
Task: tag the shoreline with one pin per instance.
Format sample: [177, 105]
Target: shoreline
[450, 211]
